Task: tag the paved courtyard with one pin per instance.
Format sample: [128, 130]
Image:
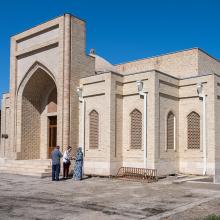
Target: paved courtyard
[102, 198]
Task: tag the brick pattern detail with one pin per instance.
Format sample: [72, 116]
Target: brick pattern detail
[93, 129]
[136, 129]
[170, 130]
[30, 144]
[193, 128]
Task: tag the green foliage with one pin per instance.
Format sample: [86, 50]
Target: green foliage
[212, 217]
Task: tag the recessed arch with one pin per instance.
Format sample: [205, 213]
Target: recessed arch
[32, 102]
[34, 67]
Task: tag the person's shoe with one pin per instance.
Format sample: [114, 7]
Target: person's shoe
[53, 179]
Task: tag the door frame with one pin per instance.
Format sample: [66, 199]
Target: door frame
[50, 148]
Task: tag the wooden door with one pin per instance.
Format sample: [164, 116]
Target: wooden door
[52, 134]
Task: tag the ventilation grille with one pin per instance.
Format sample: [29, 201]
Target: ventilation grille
[193, 126]
[93, 129]
[136, 129]
[170, 131]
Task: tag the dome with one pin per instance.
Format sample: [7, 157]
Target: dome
[102, 65]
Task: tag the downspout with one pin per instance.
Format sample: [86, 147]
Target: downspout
[204, 135]
[200, 91]
[82, 100]
[83, 126]
[141, 93]
[145, 128]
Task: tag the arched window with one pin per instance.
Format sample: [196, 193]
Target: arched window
[193, 129]
[171, 131]
[136, 129]
[93, 129]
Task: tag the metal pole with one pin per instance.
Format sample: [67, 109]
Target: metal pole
[145, 131]
[204, 135]
[145, 128]
[201, 93]
[174, 134]
[83, 127]
[82, 100]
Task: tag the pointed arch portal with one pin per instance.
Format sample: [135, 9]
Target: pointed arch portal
[38, 110]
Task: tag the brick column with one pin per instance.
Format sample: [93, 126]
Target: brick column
[153, 121]
[66, 85]
[13, 89]
[110, 121]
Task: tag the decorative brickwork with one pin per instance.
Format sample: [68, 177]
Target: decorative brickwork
[193, 126]
[170, 130]
[136, 129]
[93, 129]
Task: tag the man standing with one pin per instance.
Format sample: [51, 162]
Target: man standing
[55, 156]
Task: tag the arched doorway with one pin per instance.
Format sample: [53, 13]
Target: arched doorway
[38, 103]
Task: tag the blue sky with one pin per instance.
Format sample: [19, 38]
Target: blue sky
[119, 30]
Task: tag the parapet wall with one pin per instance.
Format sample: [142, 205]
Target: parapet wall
[183, 64]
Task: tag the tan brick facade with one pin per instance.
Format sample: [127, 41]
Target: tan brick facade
[43, 59]
[48, 63]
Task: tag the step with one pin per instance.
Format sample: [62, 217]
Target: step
[24, 170]
[35, 168]
[181, 176]
[40, 175]
[26, 166]
[191, 178]
[41, 162]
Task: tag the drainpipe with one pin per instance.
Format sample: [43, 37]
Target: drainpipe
[200, 91]
[82, 100]
[141, 93]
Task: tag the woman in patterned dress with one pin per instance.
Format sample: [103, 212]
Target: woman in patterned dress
[77, 172]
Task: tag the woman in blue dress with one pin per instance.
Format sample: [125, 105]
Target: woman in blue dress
[77, 172]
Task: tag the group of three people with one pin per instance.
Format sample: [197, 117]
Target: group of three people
[56, 156]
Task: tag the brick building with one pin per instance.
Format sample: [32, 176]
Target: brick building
[61, 96]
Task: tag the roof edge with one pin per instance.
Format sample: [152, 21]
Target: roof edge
[44, 22]
[165, 54]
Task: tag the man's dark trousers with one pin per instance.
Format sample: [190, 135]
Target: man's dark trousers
[55, 171]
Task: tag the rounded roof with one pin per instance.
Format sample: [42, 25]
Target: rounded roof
[102, 65]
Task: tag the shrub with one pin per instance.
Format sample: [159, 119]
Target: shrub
[212, 217]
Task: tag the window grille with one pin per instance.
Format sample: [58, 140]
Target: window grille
[193, 127]
[93, 129]
[170, 131]
[136, 129]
